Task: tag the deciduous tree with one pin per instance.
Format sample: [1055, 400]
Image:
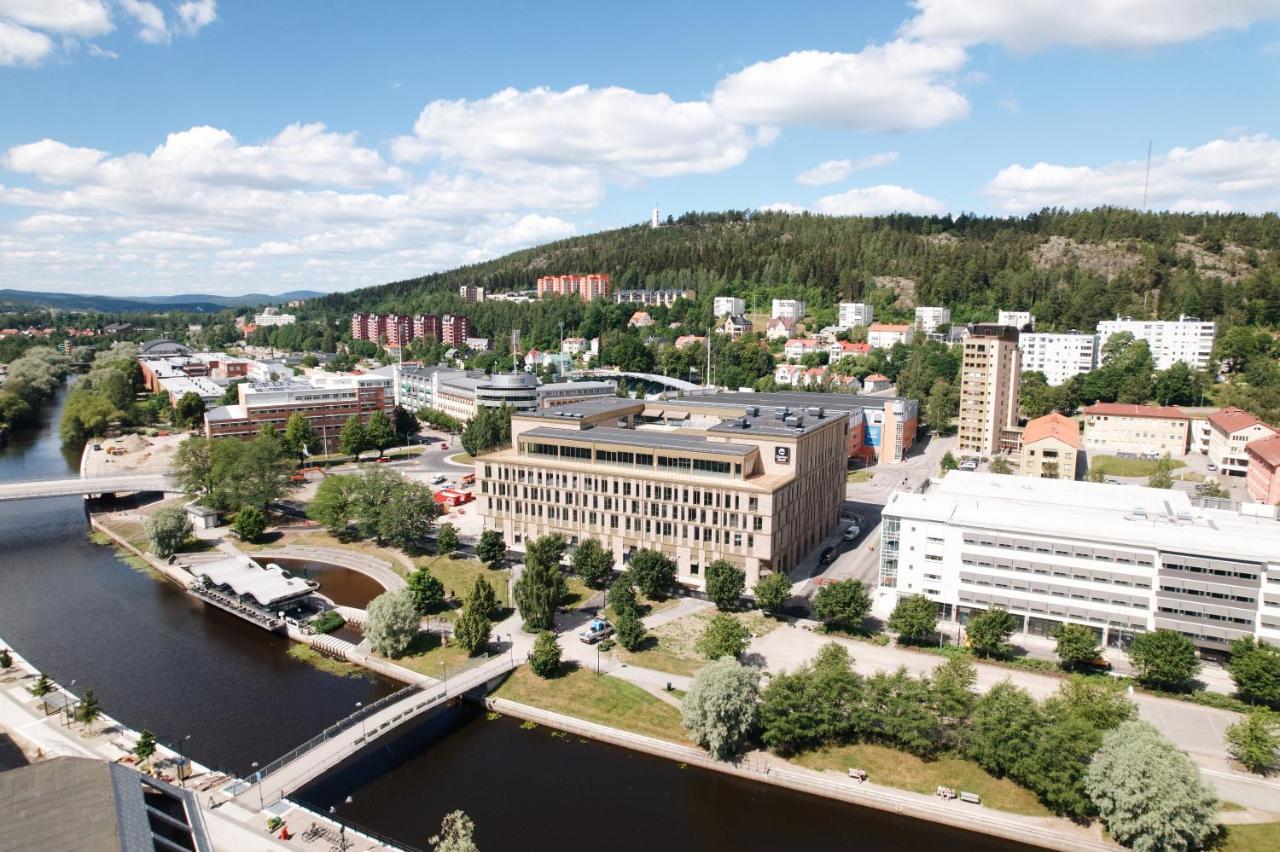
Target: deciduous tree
[167, 530]
[725, 584]
[298, 435]
[446, 539]
[250, 523]
[393, 623]
[541, 585]
[654, 573]
[457, 834]
[1164, 659]
[472, 629]
[914, 619]
[724, 636]
[545, 657]
[593, 564]
[772, 592]
[1077, 645]
[719, 711]
[352, 440]
[1002, 735]
[334, 502]
[491, 549]
[630, 629]
[427, 591]
[842, 605]
[989, 631]
[1255, 668]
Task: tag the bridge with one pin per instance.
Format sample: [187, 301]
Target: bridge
[339, 741]
[36, 489]
[667, 381]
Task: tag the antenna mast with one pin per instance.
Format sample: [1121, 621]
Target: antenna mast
[1146, 182]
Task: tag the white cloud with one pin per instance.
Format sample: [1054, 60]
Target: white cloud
[898, 86]
[626, 133]
[170, 240]
[28, 27]
[150, 20]
[878, 200]
[53, 161]
[833, 171]
[54, 222]
[67, 17]
[21, 46]
[1224, 174]
[102, 53]
[1030, 25]
[195, 15]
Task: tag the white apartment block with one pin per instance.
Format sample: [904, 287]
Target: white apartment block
[792, 309]
[1187, 339]
[929, 318]
[884, 335]
[272, 316]
[1017, 319]
[728, 305]
[1058, 356]
[855, 313]
[1121, 559]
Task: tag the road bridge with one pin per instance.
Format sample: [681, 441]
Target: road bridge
[339, 741]
[37, 489]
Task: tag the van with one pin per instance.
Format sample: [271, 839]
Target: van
[852, 533]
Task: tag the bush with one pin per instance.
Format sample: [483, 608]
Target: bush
[250, 523]
[843, 605]
[630, 629]
[725, 584]
[719, 711]
[327, 621]
[1164, 659]
[545, 657]
[168, 530]
[446, 539]
[622, 597]
[1255, 741]
[724, 636]
[393, 623]
[772, 592]
[1077, 645]
[427, 591]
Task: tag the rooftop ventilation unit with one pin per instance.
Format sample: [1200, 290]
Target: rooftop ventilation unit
[813, 412]
[753, 410]
[781, 413]
[789, 421]
[799, 421]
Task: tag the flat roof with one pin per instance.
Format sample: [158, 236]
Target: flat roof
[636, 438]
[576, 411]
[267, 585]
[794, 400]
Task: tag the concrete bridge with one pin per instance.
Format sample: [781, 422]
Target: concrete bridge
[667, 381]
[339, 741]
[86, 486]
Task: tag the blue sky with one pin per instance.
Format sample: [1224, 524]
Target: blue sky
[163, 146]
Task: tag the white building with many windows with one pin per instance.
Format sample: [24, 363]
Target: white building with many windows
[929, 318]
[855, 313]
[1021, 320]
[790, 309]
[1119, 558]
[1058, 356]
[724, 306]
[1187, 339]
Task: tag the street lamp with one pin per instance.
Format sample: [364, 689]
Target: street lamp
[342, 826]
[182, 782]
[364, 730]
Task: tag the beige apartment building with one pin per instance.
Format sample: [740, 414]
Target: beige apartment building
[1145, 430]
[1232, 430]
[1050, 448]
[990, 383]
[698, 481]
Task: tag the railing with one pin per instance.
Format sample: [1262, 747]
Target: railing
[356, 828]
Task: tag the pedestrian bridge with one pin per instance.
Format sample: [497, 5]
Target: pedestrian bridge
[654, 378]
[341, 740]
[86, 486]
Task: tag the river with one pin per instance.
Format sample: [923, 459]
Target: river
[158, 658]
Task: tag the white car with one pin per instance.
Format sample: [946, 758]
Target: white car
[852, 533]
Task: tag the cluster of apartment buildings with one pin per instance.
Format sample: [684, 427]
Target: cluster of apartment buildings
[397, 330]
[585, 287]
[461, 393]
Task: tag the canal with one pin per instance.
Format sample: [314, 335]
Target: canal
[157, 658]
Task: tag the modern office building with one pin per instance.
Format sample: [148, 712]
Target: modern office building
[1050, 448]
[585, 287]
[759, 488]
[1023, 321]
[1263, 479]
[723, 306]
[1188, 339]
[990, 382]
[666, 298]
[1144, 430]
[1058, 356]
[881, 335]
[1121, 559]
[1233, 429]
[792, 309]
[555, 394]
[929, 318]
[273, 317]
[461, 393]
[855, 313]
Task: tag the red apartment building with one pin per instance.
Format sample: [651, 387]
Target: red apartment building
[455, 329]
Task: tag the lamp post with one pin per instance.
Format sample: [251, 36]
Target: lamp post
[364, 730]
[182, 781]
[342, 826]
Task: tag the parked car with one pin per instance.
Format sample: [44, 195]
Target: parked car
[1212, 466]
[852, 533]
[439, 479]
[444, 446]
[595, 630]
[1112, 481]
[828, 556]
[969, 464]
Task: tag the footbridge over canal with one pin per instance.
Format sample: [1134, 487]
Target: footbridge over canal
[343, 739]
[87, 486]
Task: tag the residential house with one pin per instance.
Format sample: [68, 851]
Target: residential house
[1263, 477]
[779, 328]
[1233, 429]
[884, 335]
[1050, 447]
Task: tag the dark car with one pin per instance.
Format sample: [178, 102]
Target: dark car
[828, 556]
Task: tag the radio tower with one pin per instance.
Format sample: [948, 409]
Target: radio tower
[653, 222]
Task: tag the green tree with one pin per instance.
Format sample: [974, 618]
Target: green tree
[622, 596]
[593, 564]
[772, 592]
[88, 709]
[1057, 767]
[952, 699]
[486, 598]
[1148, 793]
[145, 747]
[405, 422]
[630, 629]
[724, 636]
[1095, 474]
[817, 704]
[843, 605]
[188, 413]
[334, 503]
[42, 687]
[250, 523]
[725, 584]
[1164, 659]
[392, 624]
[6, 659]
[719, 711]
[1255, 668]
[298, 435]
[999, 465]
[1176, 385]
[545, 657]
[1255, 741]
[1005, 726]
[948, 463]
[446, 539]
[1161, 476]
[989, 631]
[654, 573]
[541, 585]
[491, 549]
[914, 619]
[379, 433]
[457, 834]
[167, 530]
[1077, 645]
[193, 466]
[426, 590]
[352, 440]
[942, 405]
[473, 626]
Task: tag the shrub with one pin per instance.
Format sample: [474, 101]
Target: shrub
[725, 584]
[167, 531]
[327, 621]
[724, 636]
[545, 657]
[250, 523]
[772, 592]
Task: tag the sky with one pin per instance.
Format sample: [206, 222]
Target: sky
[152, 147]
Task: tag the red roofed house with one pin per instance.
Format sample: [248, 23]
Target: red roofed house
[876, 382]
[778, 328]
[1050, 447]
[798, 347]
[1151, 430]
[1232, 430]
[1264, 459]
[841, 348]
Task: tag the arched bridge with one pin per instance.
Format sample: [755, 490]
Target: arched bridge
[86, 486]
[668, 381]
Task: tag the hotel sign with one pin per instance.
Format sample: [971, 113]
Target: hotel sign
[782, 455]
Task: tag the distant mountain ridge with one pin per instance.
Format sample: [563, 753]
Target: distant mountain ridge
[198, 302]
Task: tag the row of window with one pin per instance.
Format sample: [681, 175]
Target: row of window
[1230, 619]
[1055, 591]
[627, 523]
[1058, 571]
[1221, 596]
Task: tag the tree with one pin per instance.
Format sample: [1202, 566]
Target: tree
[189, 410]
[472, 628]
[622, 596]
[457, 834]
[404, 421]
[334, 502]
[948, 463]
[654, 573]
[843, 605]
[1176, 385]
[1255, 741]
[168, 530]
[392, 624]
[989, 631]
[952, 699]
[426, 590]
[379, 433]
[406, 516]
[914, 619]
[724, 636]
[943, 404]
[1148, 793]
[298, 434]
[541, 585]
[719, 711]
[593, 564]
[250, 523]
[725, 584]
[491, 549]
[193, 466]
[1161, 477]
[352, 440]
[630, 629]
[446, 539]
[1000, 465]
[145, 747]
[1004, 728]
[89, 708]
[1255, 668]
[6, 659]
[1077, 645]
[544, 659]
[42, 687]
[1164, 659]
[772, 592]
[1095, 474]
[817, 704]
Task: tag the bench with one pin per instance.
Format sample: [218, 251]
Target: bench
[971, 798]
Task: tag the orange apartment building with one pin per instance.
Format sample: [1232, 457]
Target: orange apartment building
[586, 287]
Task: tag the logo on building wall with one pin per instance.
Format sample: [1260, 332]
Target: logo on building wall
[782, 455]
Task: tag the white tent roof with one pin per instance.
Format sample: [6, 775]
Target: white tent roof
[246, 577]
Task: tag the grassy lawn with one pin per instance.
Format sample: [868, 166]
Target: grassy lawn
[670, 647]
[427, 656]
[648, 606]
[895, 768]
[402, 452]
[1251, 838]
[596, 698]
[459, 575]
[462, 458]
[1112, 466]
[860, 476]
[579, 592]
[320, 538]
[313, 658]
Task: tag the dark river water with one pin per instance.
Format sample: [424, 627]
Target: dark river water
[160, 659]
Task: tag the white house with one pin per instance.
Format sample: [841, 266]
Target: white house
[798, 347]
[1017, 319]
[778, 328]
[573, 346]
[884, 335]
[728, 305]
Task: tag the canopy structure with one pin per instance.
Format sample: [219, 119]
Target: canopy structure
[267, 586]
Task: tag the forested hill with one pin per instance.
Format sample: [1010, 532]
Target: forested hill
[1070, 268]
